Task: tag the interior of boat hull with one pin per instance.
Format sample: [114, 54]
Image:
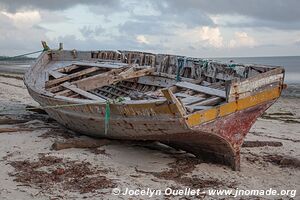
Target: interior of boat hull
[198, 105]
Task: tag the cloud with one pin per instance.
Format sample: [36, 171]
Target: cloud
[267, 13]
[17, 36]
[142, 39]
[242, 39]
[88, 31]
[22, 19]
[16, 5]
[212, 35]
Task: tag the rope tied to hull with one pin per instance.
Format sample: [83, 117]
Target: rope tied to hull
[107, 112]
[106, 117]
[232, 65]
[181, 64]
[45, 48]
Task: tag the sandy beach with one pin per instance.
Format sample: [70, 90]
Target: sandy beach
[32, 169]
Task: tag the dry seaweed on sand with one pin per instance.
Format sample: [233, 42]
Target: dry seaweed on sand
[48, 171]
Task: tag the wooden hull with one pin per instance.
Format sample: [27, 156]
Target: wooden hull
[215, 133]
[219, 140]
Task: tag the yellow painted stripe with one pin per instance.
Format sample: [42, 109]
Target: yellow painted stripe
[228, 108]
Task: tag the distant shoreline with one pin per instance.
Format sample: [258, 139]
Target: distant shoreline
[14, 69]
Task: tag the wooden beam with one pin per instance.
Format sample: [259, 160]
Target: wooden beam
[191, 100]
[242, 89]
[208, 102]
[155, 81]
[111, 77]
[171, 97]
[195, 108]
[70, 76]
[110, 65]
[202, 89]
[82, 92]
[68, 68]
[97, 81]
[173, 77]
[56, 74]
[182, 95]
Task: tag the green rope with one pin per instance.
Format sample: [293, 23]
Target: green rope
[107, 117]
[232, 66]
[181, 63]
[205, 64]
[22, 55]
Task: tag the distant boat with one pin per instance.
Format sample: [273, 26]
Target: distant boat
[200, 106]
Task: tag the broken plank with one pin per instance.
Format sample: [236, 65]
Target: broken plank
[155, 81]
[109, 65]
[98, 81]
[168, 94]
[262, 144]
[195, 108]
[70, 76]
[182, 95]
[8, 121]
[173, 77]
[111, 77]
[56, 74]
[191, 100]
[82, 92]
[80, 143]
[208, 102]
[67, 69]
[6, 130]
[202, 89]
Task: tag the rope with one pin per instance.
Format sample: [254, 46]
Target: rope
[22, 55]
[107, 117]
[232, 66]
[205, 64]
[181, 64]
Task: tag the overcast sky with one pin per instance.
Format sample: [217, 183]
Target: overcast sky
[202, 28]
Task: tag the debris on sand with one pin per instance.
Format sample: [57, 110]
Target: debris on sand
[283, 161]
[179, 170]
[279, 160]
[261, 144]
[49, 171]
[286, 117]
[84, 142]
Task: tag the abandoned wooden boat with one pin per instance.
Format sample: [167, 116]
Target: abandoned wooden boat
[201, 106]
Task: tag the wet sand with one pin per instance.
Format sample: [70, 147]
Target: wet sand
[31, 169]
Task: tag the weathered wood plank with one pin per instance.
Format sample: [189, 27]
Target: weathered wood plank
[171, 97]
[249, 85]
[84, 142]
[182, 95]
[202, 89]
[82, 92]
[68, 68]
[110, 65]
[196, 108]
[209, 102]
[171, 76]
[155, 81]
[110, 77]
[191, 100]
[56, 74]
[70, 76]
[262, 144]
[241, 89]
